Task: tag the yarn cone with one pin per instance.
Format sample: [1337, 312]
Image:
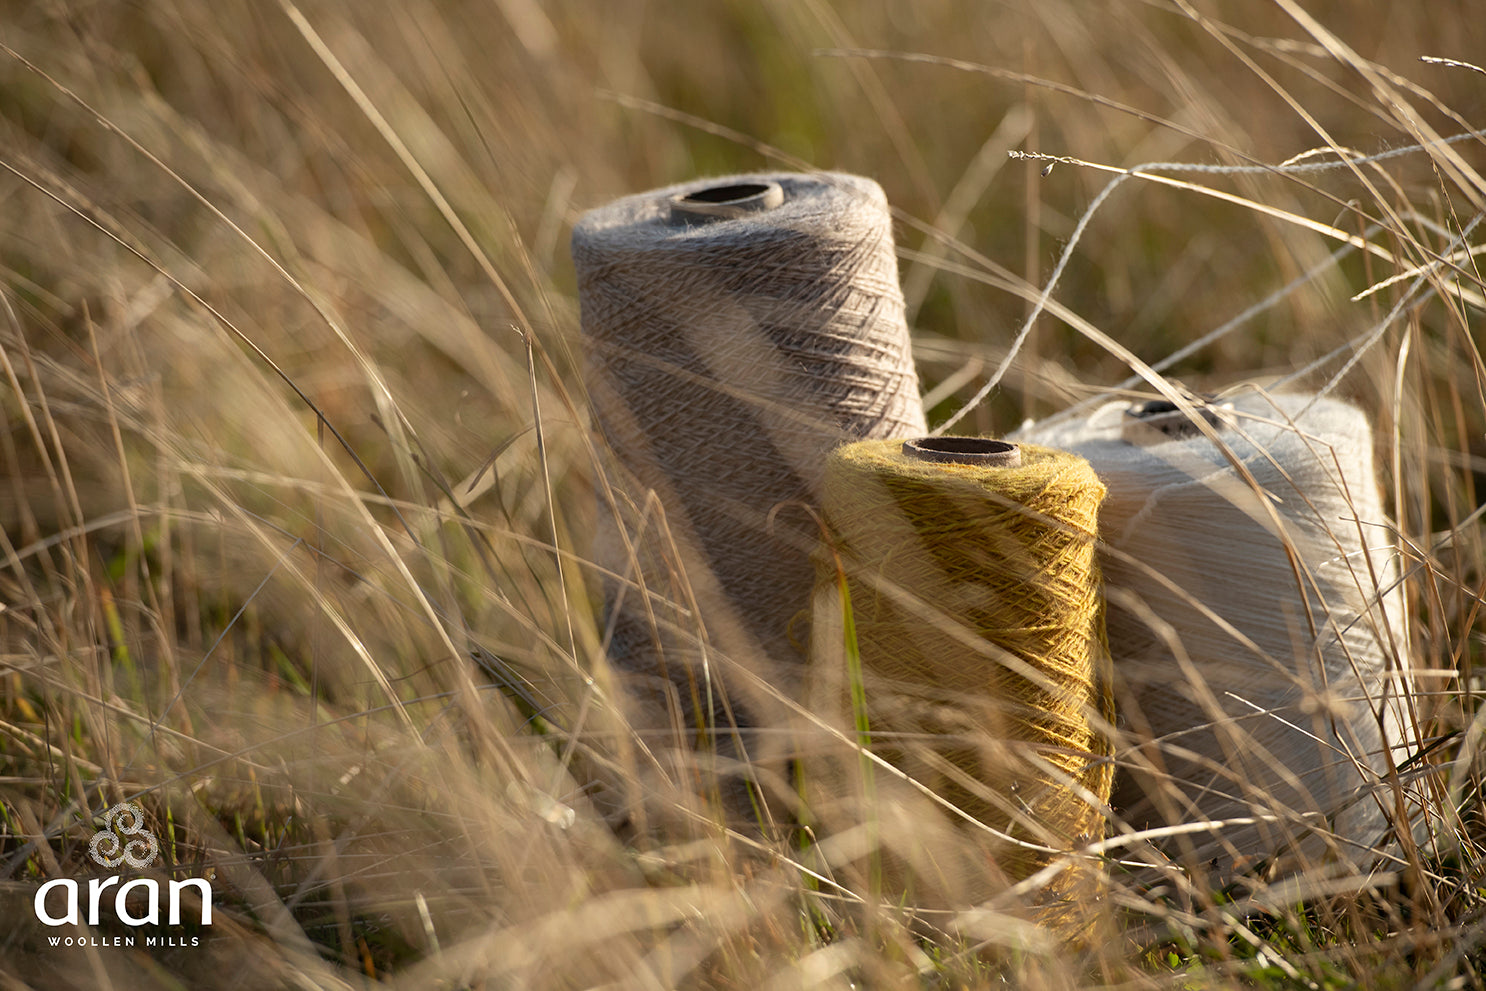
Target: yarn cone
[735, 330]
[959, 637]
[1257, 627]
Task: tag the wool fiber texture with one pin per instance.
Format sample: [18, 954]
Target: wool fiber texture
[725, 359]
[1257, 628]
[973, 593]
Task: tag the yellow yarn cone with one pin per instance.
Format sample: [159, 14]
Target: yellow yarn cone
[959, 634]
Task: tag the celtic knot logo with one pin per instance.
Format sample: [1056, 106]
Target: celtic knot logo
[124, 840]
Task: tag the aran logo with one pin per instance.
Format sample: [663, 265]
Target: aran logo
[122, 840]
[108, 847]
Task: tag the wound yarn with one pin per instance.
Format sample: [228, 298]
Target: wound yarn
[1255, 622]
[735, 330]
[973, 593]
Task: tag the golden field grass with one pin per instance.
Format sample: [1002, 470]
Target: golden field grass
[292, 430]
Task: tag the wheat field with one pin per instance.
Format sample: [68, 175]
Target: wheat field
[297, 481]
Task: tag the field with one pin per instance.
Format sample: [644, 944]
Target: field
[297, 486]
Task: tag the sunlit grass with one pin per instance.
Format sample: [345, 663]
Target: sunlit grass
[297, 489]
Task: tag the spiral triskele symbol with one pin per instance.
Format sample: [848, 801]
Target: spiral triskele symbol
[139, 850]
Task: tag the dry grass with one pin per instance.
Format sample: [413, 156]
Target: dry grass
[291, 429]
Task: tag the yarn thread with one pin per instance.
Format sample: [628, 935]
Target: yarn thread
[1253, 624]
[735, 330]
[974, 596]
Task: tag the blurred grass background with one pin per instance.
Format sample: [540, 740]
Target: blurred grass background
[286, 293]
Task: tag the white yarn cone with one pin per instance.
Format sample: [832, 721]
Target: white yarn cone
[1253, 621]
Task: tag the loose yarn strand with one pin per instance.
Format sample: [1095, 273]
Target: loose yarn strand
[1150, 170]
[1365, 342]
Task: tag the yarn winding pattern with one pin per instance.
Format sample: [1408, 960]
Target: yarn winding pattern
[1257, 629]
[724, 360]
[975, 598]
